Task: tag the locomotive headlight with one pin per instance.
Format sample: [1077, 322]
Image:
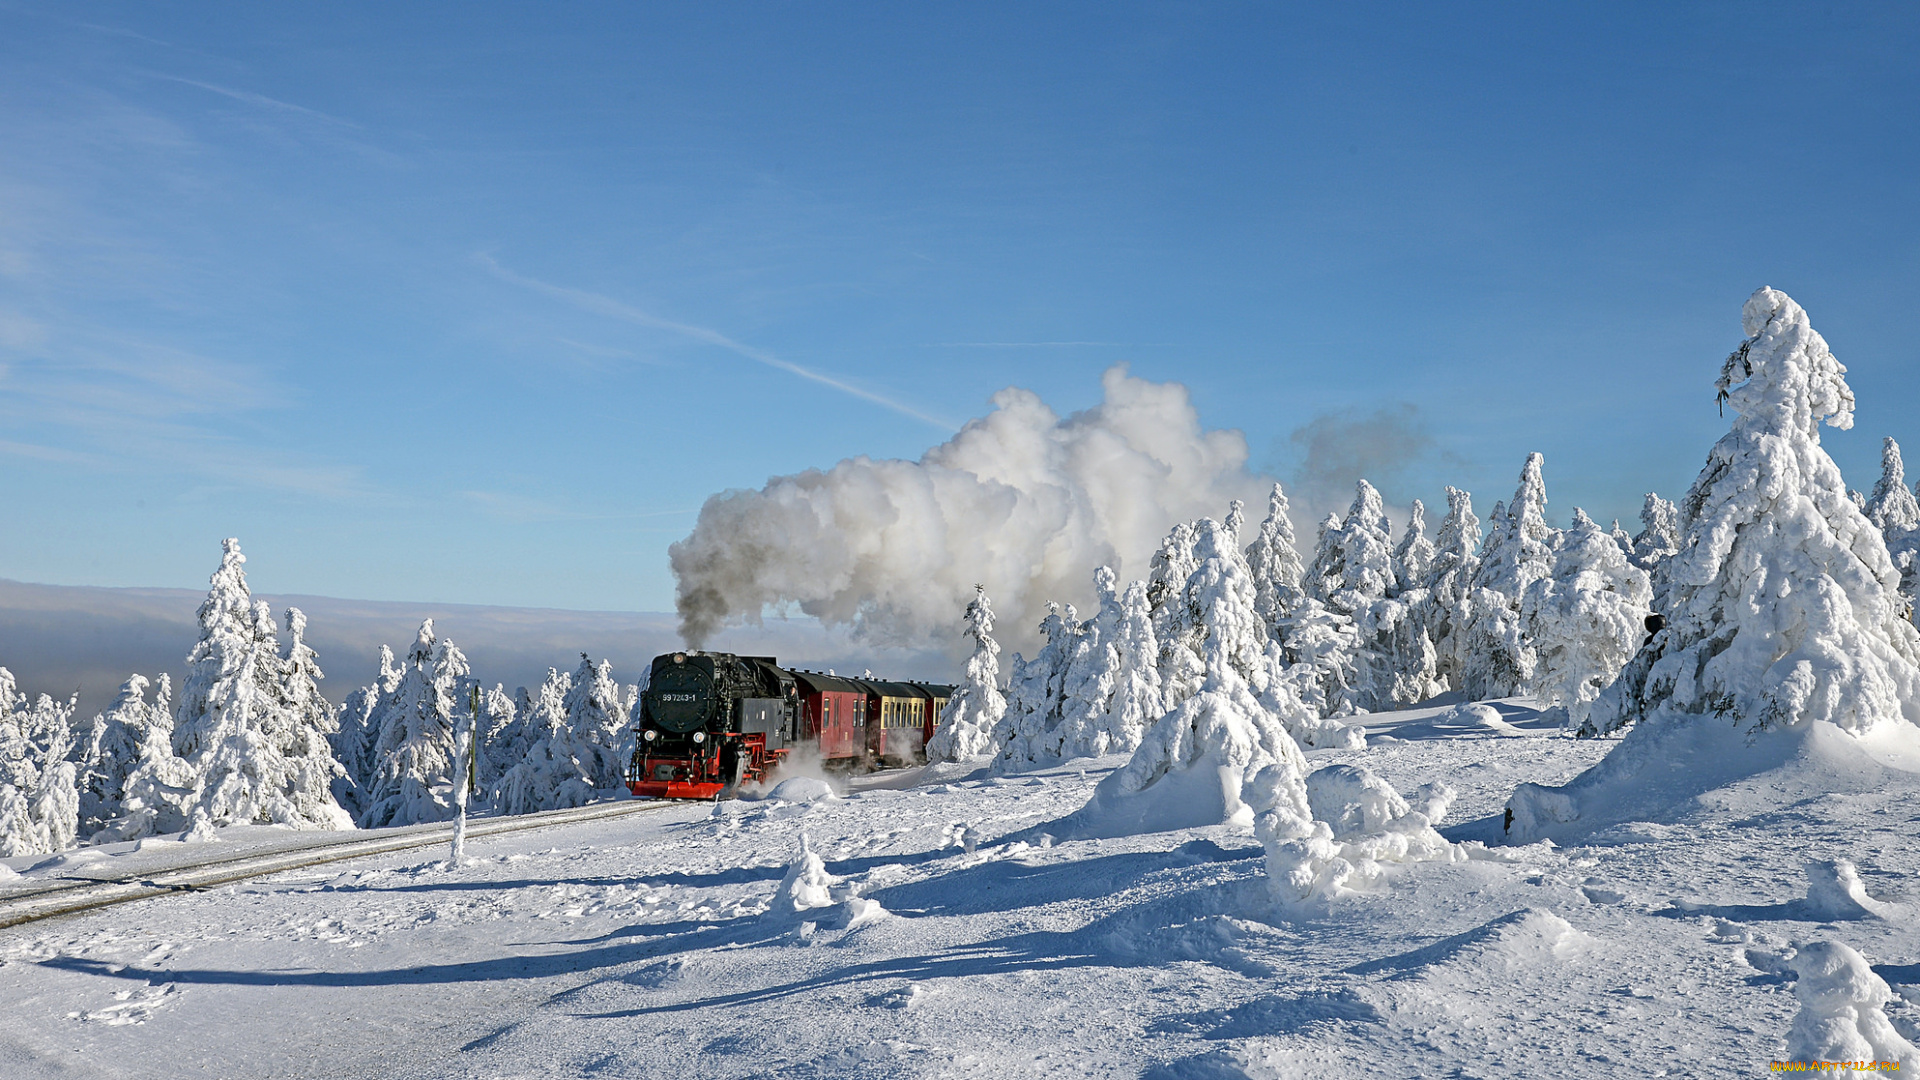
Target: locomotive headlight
[650, 735]
[699, 736]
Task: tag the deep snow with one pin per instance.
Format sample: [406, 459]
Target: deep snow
[644, 946]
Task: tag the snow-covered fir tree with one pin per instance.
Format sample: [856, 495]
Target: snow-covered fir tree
[1029, 733]
[1275, 564]
[258, 757]
[1659, 536]
[1621, 538]
[547, 771]
[1586, 620]
[1352, 570]
[1784, 604]
[159, 790]
[1447, 609]
[1413, 556]
[1399, 665]
[598, 720]
[357, 733]
[1894, 509]
[1113, 686]
[965, 727]
[414, 779]
[111, 752]
[1498, 659]
[39, 786]
[501, 738]
[1174, 618]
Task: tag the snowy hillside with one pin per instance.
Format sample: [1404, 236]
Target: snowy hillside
[953, 937]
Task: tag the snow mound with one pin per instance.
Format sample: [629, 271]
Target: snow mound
[802, 789]
[1834, 892]
[1672, 767]
[1361, 828]
[1841, 1017]
[1474, 714]
[807, 885]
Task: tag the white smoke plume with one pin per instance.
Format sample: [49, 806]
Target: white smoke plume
[1020, 500]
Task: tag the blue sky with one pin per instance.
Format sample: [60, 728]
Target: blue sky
[477, 303]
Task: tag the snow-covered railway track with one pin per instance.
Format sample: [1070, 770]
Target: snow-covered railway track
[73, 893]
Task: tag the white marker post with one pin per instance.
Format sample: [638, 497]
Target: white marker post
[463, 775]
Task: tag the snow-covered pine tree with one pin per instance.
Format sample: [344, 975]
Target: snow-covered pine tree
[1518, 552]
[112, 751]
[1352, 570]
[1895, 510]
[547, 772]
[257, 760]
[414, 779]
[1448, 607]
[1584, 621]
[159, 789]
[1193, 763]
[1784, 604]
[1413, 556]
[1113, 687]
[1398, 663]
[362, 716]
[965, 727]
[1621, 538]
[502, 740]
[1180, 669]
[1029, 735]
[39, 786]
[602, 742]
[1659, 535]
[1275, 564]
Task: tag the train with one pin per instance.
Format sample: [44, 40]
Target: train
[709, 722]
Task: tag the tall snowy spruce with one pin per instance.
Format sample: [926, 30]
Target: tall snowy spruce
[598, 719]
[1897, 513]
[258, 756]
[1585, 620]
[1352, 570]
[1029, 734]
[1784, 614]
[159, 789]
[1498, 659]
[39, 788]
[413, 781]
[548, 769]
[1112, 686]
[112, 751]
[357, 731]
[1448, 606]
[1274, 562]
[1400, 664]
[965, 727]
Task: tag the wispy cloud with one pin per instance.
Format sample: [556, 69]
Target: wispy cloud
[1047, 344]
[615, 309]
[250, 98]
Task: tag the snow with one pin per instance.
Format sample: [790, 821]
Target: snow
[1840, 1011]
[644, 945]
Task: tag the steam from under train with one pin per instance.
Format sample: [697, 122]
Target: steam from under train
[1021, 499]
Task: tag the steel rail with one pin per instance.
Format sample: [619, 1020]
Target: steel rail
[76, 895]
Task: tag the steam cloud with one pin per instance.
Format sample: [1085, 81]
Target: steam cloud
[1339, 448]
[1020, 500]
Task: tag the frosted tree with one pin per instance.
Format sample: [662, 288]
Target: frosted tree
[1621, 538]
[547, 771]
[257, 756]
[1498, 660]
[1193, 764]
[1585, 620]
[39, 788]
[1174, 626]
[502, 739]
[602, 741]
[112, 751]
[1895, 510]
[965, 728]
[361, 717]
[1352, 570]
[1113, 686]
[1448, 605]
[1029, 735]
[415, 775]
[1784, 605]
[1659, 536]
[160, 787]
[1275, 564]
[1413, 556]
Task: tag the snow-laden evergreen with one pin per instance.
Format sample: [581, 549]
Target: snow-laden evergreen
[1357, 829]
[547, 772]
[1175, 626]
[112, 751]
[1193, 763]
[39, 786]
[1274, 562]
[1447, 608]
[355, 741]
[502, 740]
[1029, 734]
[1783, 610]
[1499, 660]
[1659, 536]
[1413, 556]
[965, 727]
[159, 789]
[413, 780]
[259, 757]
[1586, 620]
[1112, 686]
[1894, 509]
[597, 717]
[1399, 665]
[1353, 569]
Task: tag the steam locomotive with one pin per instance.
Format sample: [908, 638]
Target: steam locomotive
[712, 721]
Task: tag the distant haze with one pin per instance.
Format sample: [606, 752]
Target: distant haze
[62, 639]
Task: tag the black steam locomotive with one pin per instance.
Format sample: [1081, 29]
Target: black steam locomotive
[711, 721]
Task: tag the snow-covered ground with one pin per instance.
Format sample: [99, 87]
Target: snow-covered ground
[960, 939]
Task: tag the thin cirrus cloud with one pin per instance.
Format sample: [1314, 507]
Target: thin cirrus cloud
[615, 309]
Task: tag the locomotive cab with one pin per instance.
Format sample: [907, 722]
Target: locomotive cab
[709, 722]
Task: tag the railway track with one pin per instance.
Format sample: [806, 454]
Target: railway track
[78, 892]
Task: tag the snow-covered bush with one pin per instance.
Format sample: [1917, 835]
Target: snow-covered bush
[260, 756]
[1783, 612]
[1586, 620]
[965, 727]
[39, 790]
[1498, 659]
